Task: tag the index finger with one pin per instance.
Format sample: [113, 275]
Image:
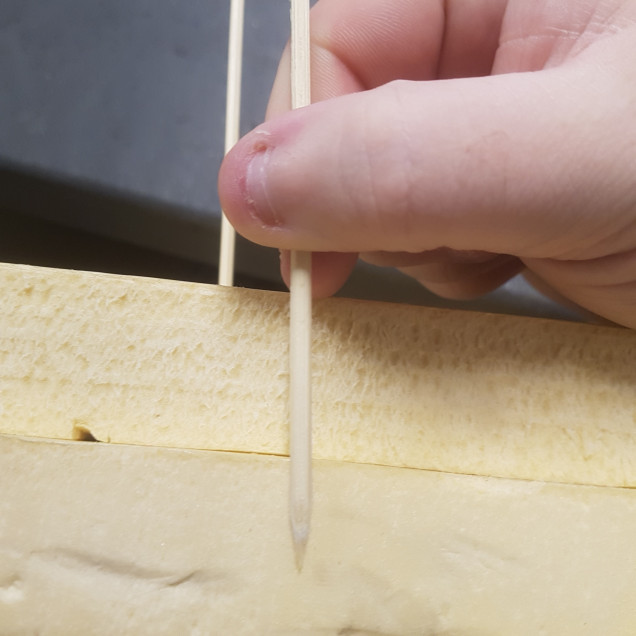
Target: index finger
[362, 44]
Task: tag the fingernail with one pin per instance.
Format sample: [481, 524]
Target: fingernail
[256, 186]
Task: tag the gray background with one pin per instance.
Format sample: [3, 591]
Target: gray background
[111, 135]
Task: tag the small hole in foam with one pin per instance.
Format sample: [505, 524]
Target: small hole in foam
[83, 434]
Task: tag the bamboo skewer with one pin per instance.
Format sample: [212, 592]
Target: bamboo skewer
[300, 492]
[300, 284]
[232, 128]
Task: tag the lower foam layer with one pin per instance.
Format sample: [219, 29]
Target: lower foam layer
[107, 539]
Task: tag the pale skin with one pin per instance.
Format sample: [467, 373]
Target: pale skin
[461, 141]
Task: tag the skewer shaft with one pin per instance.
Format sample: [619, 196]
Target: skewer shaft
[300, 402]
[232, 128]
[300, 502]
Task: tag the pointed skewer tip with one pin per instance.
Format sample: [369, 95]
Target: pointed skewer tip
[300, 537]
[300, 548]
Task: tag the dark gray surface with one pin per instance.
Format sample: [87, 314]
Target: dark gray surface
[130, 95]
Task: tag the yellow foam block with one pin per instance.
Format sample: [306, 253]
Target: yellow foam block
[475, 475]
[110, 539]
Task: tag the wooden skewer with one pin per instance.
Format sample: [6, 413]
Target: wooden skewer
[300, 492]
[232, 128]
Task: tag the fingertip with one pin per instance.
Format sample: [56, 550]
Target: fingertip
[242, 186]
[465, 281]
[229, 184]
[329, 271]
[254, 178]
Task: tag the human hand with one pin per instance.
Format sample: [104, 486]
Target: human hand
[509, 144]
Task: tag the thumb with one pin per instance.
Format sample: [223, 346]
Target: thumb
[514, 164]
